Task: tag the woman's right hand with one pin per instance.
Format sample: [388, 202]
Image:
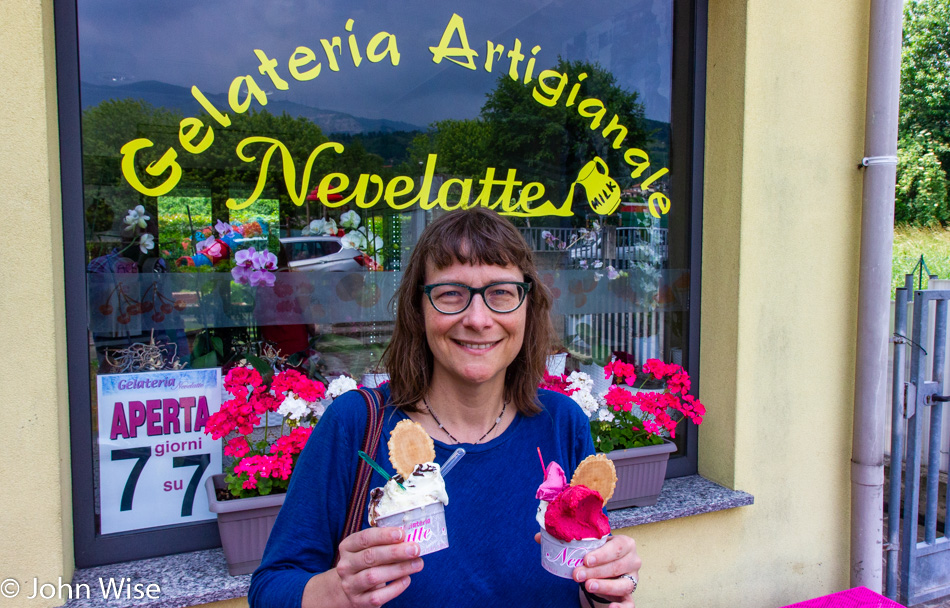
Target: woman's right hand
[375, 565]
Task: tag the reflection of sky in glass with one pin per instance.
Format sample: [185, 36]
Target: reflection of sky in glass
[209, 42]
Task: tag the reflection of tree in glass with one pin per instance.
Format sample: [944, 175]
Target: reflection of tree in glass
[545, 144]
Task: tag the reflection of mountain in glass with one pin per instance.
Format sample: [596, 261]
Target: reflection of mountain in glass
[172, 97]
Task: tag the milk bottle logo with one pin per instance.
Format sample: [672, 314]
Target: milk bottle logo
[603, 192]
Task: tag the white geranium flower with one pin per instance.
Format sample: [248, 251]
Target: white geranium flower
[587, 402]
[340, 385]
[293, 407]
[580, 381]
[350, 220]
[146, 242]
[605, 415]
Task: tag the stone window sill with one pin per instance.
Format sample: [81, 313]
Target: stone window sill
[191, 579]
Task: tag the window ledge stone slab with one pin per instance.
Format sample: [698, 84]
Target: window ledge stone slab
[201, 577]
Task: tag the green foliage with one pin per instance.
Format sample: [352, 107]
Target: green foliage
[921, 196]
[911, 242]
[609, 437]
[924, 127]
[462, 146]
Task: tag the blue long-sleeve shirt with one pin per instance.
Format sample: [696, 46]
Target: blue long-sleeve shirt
[492, 559]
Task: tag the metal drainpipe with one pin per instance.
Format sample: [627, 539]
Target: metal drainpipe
[877, 236]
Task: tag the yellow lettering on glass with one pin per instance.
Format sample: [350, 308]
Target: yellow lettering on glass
[575, 89]
[154, 168]
[592, 108]
[301, 57]
[400, 185]
[455, 27]
[253, 90]
[529, 72]
[515, 55]
[492, 50]
[223, 119]
[658, 199]
[267, 68]
[328, 46]
[351, 40]
[372, 49]
[638, 167]
[290, 171]
[326, 188]
[615, 125]
[656, 175]
[188, 130]
[552, 93]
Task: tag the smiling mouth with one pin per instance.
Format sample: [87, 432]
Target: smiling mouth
[476, 346]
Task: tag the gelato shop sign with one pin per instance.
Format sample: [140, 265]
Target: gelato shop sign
[153, 454]
[498, 188]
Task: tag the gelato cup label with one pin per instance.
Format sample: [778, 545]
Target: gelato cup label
[560, 558]
[424, 525]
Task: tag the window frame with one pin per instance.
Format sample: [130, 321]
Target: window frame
[687, 121]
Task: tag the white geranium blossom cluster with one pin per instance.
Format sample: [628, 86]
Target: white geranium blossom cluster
[581, 384]
[593, 405]
[340, 385]
[294, 407]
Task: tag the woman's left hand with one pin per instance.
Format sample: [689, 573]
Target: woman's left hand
[603, 567]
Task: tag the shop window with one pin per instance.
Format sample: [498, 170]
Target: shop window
[325, 138]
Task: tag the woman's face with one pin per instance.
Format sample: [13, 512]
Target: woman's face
[476, 345]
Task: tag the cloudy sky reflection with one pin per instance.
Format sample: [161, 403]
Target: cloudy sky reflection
[210, 42]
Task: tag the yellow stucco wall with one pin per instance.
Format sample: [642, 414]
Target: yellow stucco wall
[35, 504]
[785, 132]
[785, 115]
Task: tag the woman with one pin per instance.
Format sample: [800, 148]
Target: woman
[471, 335]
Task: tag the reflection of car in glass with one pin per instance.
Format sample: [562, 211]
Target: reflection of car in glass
[323, 253]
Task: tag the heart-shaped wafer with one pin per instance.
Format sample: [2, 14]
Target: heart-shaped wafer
[597, 472]
[409, 445]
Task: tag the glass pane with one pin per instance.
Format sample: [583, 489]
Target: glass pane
[328, 135]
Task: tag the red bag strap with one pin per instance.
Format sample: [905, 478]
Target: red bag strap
[370, 445]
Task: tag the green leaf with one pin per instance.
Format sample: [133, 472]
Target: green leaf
[218, 346]
[205, 361]
[263, 367]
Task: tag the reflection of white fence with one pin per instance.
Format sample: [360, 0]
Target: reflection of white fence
[612, 243]
[642, 334]
[928, 346]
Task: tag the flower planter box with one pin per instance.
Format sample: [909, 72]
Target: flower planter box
[640, 474]
[244, 525]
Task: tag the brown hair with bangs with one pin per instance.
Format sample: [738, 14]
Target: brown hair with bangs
[476, 236]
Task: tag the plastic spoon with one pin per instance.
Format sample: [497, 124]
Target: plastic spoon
[377, 468]
[452, 461]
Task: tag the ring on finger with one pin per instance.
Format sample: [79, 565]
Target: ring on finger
[632, 579]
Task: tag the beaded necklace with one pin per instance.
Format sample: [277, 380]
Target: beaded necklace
[452, 437]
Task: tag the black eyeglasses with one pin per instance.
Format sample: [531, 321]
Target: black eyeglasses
[453, 298]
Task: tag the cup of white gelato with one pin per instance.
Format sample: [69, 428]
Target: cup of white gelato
[418, 507]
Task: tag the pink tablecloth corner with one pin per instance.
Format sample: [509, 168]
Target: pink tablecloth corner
[859, 597]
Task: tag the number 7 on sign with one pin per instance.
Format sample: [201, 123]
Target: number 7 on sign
[142, 454]
[194, 460]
